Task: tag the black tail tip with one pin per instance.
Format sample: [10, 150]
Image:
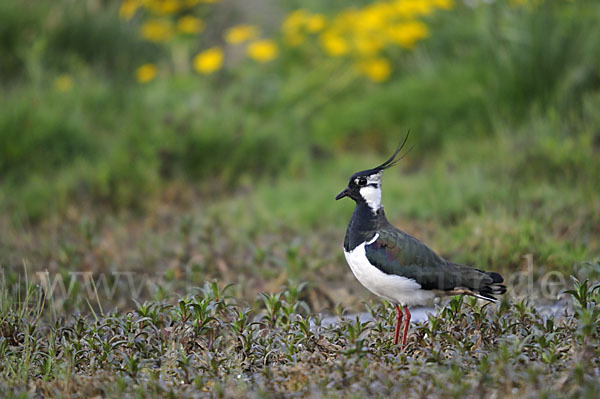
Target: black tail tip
[496, 278]
[495, 287]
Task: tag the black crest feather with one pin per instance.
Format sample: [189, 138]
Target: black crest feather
[393, 160]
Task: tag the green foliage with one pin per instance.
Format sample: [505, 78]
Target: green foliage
[209, 342]
[19, 23]
[38, 39]
[94, 36]
[105, 140]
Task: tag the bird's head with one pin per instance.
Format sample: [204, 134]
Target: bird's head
[365, 186]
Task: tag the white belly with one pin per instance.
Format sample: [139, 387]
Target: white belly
[396, 289]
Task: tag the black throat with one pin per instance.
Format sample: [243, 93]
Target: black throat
[362, 227]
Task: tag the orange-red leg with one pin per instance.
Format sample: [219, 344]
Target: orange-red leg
[398, 321]
[406, 324]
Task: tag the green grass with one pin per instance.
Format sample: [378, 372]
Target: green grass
[109, 141]
[133, 195]
[212, 345]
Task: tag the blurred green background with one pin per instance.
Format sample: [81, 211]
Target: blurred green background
[170, 135]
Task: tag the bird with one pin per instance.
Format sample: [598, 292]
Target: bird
[397, 266]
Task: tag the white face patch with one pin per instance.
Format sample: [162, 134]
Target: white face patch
[372, 192]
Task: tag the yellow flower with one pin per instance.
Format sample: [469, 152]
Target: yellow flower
[300, 22]
[292, 27]
[365, 31]
[315, 23]
[443, 4]
[162, 7]
[407, 34]
[294, 39]
[209, 61]
[263, 50]
[146, 73]
[157, 30]
[412, 8]
[168, 7]
[376, 69]
[193, 3]
[240, 33]
[294, 21]
[190, 25]
[373, 17]
[368, 45]
[63, 83]
[128, 8]
[334, 44]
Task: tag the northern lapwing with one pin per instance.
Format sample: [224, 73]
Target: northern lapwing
[396, 266]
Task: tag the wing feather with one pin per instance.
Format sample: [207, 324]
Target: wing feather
[396, 252]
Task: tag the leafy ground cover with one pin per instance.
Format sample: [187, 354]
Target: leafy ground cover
[123, 190]
[210, 345]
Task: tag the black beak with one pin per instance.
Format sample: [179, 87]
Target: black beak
[342, 194]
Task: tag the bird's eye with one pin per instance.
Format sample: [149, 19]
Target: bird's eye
[362, 182]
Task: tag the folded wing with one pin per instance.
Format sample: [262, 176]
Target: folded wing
[395, 252]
